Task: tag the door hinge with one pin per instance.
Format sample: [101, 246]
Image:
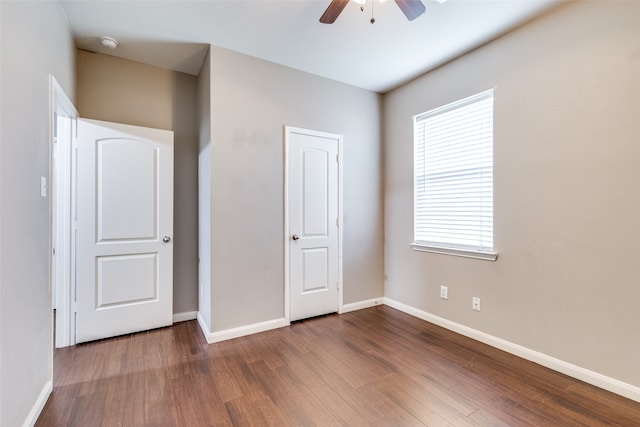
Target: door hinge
[338, 222]
[74, 307]
[75, 224]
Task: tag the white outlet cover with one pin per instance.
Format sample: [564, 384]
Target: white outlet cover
[444, 292]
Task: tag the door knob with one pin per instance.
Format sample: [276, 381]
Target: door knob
[295, 237]
[166, 239]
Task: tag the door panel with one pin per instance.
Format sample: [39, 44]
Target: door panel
[315, 270]
[124, 193]
[127, 189]
[313, 204]
[315, 166]
[126, 279]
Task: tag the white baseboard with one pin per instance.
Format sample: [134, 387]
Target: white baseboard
[213, 337]
[615, 386]
[361, 304]
[227, 334]
[183, 317]
[39, 405]
[203, 326]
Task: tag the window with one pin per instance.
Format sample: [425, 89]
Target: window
[453, 171]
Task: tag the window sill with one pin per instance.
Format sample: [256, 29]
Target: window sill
[485, 256]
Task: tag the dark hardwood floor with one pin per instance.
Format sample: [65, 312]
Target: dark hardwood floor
[376, 367]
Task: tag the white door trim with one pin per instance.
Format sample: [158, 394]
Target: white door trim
[60, 105]
[288, 130]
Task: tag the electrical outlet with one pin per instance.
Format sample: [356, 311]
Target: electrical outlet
[444, 292]
[475, 303]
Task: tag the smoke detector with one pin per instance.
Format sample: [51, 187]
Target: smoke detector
[108, 42]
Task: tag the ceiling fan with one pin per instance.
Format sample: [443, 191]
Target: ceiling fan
[411, 9]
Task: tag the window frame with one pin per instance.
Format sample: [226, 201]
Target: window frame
[448, 248]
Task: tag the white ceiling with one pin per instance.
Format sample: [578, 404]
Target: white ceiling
[174, 34]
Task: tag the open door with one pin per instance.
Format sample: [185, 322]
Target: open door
[124, 221]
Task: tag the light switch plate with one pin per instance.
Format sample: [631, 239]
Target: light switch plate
[43, 186]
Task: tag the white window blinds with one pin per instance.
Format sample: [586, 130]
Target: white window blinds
[453, 169]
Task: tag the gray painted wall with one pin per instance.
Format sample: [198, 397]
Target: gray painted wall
[34, 42]
[567, 190]
[566, 187]
[251, 101]
[122, 91]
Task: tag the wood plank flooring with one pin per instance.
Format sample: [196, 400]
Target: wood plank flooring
[377, 367]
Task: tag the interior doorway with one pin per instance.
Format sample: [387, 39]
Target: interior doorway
[313, 223]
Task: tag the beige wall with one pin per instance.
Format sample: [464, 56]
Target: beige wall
[118, 90]
[34, 42]
[251, 101]
[567, 190]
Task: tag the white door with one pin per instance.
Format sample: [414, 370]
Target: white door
[313, 239]
[124, 208]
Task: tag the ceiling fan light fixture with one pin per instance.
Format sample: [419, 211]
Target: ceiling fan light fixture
[411, 9]
[363, 2]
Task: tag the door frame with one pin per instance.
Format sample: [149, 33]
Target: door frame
[60, 105]
[288, 131]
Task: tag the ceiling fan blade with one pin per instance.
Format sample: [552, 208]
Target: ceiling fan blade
[333, 11]
[411, 8]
